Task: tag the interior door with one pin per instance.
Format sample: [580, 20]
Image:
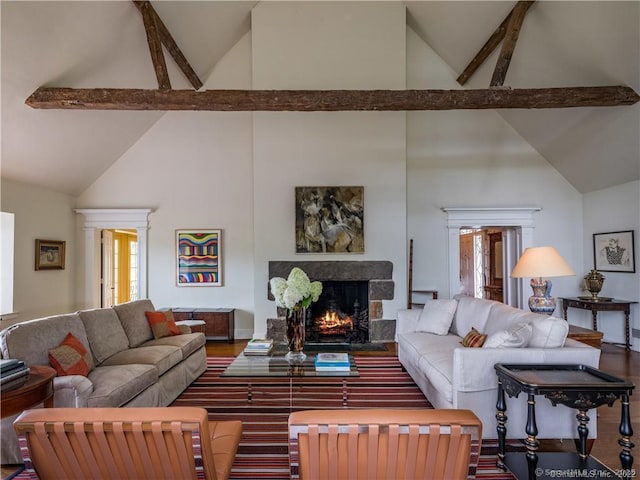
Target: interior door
[107, 268]
[467, 270]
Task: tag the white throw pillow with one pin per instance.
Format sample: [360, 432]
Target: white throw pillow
[436, 316]
[549, 332]
[517, 335]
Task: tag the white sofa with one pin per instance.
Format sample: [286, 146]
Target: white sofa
[453, 376]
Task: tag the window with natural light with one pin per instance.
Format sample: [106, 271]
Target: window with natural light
[7, 224]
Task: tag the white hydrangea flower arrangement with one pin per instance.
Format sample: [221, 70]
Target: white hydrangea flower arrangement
[297, 291]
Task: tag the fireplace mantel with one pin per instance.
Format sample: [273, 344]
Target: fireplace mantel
[335, 270]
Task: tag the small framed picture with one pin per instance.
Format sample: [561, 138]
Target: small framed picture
[199, 258]
[50, 254]
[614, 252]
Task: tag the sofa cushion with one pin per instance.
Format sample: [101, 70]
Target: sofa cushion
[471, 312]
[134, 321]
[71, 357]
[502, 317]
[550, 332]
[163, 357]
[436, 316]
[473, 339]
[31, 340]
[187, 342]
[114, 386]
[438, 368]
[517, 335]
[162, 323]
[104, 332]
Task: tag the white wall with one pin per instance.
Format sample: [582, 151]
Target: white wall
[325, 46]
[612, 210]
[40, 214]
[473, 158]
[195, 171]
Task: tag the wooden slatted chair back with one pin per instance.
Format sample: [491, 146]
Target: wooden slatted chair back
[384, 444]
[116, 443]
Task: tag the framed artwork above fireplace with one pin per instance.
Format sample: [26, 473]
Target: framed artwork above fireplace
[329, 219]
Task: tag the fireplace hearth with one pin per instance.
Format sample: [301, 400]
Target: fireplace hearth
[350, 307]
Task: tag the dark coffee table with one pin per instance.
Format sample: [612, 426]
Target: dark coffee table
[575, 386]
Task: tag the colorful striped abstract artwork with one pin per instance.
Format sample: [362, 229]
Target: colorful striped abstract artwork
[199, 258]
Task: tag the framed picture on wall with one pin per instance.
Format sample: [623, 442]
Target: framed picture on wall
[50, 254]
[329, 219]
[199, 258]
[614, 252]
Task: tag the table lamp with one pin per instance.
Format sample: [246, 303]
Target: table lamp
[538, 262]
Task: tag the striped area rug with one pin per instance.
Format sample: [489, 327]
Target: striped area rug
[264, 404]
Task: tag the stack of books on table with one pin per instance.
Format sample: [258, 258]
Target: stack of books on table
[258, 346]
[13, 374]
[332, 362]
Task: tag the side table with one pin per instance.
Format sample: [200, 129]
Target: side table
[575, 386]
[38, 389]
[601, 306]
[219, 323]
[585, 335]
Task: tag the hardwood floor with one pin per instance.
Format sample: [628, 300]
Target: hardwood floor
[614, 360]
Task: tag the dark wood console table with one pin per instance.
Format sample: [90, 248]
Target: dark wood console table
[219, 323]
[575, 386]
[601, 306]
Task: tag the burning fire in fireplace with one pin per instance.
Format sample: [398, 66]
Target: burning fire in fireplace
[332, 324]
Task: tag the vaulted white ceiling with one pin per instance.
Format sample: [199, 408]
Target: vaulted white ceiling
[103, 44]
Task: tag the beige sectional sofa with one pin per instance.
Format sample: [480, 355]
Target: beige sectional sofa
[453, 376]
[132, 369]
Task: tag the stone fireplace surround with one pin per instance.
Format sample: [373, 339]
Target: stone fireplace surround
[379, 274]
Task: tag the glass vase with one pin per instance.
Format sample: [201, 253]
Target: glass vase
[296, 334]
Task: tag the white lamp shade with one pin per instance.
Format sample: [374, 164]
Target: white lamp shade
[538, 262]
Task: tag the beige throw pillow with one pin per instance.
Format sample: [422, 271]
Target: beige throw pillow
[436, 316]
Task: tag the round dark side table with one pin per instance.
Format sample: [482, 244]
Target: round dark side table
[36, 390]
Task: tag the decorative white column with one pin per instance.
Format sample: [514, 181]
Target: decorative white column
[91, 276]
[142, 262]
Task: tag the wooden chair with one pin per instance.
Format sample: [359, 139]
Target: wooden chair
[117, 443]
[384, 444]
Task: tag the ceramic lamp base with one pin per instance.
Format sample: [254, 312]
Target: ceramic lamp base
[541, 301]
[542, 304]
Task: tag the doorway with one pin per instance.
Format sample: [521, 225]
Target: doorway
[518, 235]
[119, 276]
[98, 219]
[482, 260]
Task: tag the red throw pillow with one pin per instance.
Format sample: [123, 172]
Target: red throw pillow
[162, 324]
[473, 339]
[71, 357]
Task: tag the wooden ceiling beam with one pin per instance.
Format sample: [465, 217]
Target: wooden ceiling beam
[329, 100]
[155, 46]
[489, 46]
[172, 47]
[509, 43]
